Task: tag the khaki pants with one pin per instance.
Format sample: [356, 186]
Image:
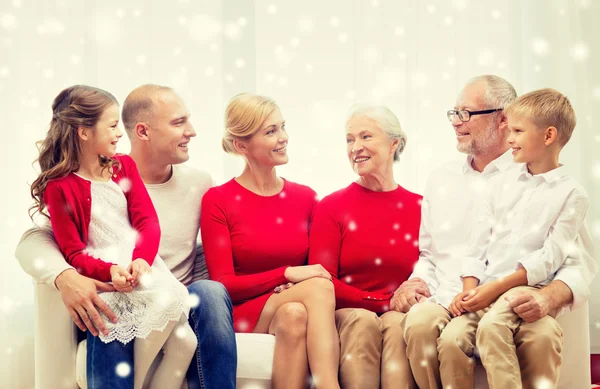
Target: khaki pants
[373, 353]
[441, 349]
[501, 335]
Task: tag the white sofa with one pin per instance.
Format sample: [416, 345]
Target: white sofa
[60, 361]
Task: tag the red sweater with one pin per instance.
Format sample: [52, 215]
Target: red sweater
[70, 205]
[249, 240]
[368, 241]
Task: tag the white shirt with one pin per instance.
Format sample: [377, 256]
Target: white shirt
[447, 214]
[531, 222]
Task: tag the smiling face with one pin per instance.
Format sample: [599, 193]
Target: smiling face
[480, 134]
[106, 133]
[528, 141]
[370, 150]
[268, 145]
[170, 129]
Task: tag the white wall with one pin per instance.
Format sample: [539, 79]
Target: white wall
[316, 58]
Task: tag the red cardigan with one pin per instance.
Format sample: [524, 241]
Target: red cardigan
[368, 241]
[69, 202]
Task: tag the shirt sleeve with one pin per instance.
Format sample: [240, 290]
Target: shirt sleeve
[425, 266]
[560, 243]
[142, 214]
[475, 262]
[216, 240]
[39, 255]
[325, 248]
[68, 236]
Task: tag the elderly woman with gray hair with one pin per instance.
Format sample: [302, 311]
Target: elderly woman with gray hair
[366, 235]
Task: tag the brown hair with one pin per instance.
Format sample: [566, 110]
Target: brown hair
[60, 152]
[244, 115]
[546, 108]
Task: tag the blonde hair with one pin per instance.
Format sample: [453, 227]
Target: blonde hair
[386, 119]
[546, 108]
[244, 115]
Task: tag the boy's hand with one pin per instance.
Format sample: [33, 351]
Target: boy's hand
[456, 306]
[138, 268]
[121, 279]
[481, 297]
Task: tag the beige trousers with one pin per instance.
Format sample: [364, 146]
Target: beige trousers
[501, 334]
[441, 349]
[373, 352]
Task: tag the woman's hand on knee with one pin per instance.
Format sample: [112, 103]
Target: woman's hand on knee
[297, 274]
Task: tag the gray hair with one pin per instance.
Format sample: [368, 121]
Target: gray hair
[498, 92]
[386, 119]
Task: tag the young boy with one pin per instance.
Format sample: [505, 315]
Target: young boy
[530, 220]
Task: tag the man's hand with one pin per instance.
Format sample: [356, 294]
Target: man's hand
[530, 305]
[80, 296]
[137, 269]
[408, 294]
[482, 296]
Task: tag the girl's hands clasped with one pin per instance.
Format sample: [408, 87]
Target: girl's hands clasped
[121, 279]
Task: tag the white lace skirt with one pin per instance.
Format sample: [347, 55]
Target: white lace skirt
[157, 300]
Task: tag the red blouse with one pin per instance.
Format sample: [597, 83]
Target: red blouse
[69, 202]
[368, 241]
[249, 240]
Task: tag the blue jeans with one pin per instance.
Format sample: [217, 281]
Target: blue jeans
[214, 365]
[102, 361]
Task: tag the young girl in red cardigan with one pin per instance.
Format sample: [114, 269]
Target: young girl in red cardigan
[106, 227]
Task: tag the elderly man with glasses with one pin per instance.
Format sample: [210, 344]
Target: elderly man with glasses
[440, 350]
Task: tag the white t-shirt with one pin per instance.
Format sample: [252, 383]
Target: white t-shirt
[177, 203]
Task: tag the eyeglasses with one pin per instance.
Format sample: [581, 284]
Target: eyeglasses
[465, 115]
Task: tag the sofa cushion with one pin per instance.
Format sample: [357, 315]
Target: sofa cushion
[255, 361]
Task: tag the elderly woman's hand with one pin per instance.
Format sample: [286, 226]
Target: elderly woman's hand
[297, 274]
[408, 294]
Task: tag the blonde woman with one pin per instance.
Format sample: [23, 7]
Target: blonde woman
[255, 236]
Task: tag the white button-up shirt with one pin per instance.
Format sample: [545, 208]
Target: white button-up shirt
[449, 212]
[532, 222]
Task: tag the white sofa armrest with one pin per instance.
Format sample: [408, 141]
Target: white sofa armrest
[55, 340]
[575, 371]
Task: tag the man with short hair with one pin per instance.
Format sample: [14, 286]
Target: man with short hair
[447, 216]
[159, 128]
